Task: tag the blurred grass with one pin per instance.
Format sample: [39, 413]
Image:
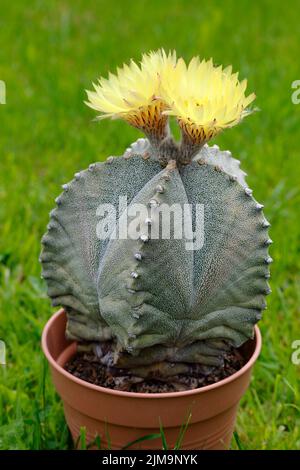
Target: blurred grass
[50, 53]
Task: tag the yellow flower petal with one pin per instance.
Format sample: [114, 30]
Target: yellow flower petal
[204, 98]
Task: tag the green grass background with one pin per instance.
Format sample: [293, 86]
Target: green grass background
[50, 52]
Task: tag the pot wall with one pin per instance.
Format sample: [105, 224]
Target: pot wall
[128, 416]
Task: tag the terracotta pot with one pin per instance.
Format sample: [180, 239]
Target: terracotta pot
[127, 416]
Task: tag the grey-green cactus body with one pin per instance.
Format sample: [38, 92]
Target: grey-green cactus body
[151, 298]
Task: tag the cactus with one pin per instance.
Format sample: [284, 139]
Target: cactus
[149, 304]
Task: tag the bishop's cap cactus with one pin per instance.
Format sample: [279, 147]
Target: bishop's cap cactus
[157, 305]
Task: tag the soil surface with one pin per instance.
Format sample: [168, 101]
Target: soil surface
[87, 366]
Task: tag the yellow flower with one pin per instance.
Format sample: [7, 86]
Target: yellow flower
[204, 98]
[133, 93]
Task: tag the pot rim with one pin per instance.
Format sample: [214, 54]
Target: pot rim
[98, 388]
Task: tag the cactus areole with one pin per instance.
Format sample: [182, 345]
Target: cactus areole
[155, 303]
